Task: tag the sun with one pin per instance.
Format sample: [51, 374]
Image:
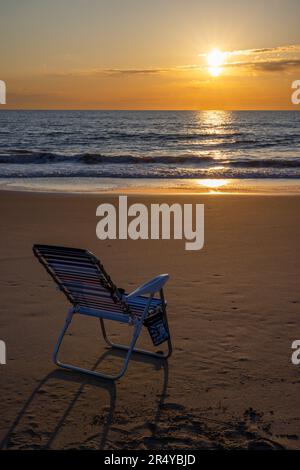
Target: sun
[215, 59]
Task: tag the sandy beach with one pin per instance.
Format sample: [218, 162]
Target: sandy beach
[233, 310]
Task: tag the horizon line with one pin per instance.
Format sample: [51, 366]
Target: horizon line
[149, 109]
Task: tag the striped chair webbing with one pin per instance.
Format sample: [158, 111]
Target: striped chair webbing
[137, 304]
[137, 308]
[82, 278]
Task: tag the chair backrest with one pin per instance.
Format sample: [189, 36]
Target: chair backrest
[82, 278]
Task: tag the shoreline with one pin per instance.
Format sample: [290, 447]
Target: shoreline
[144, 186]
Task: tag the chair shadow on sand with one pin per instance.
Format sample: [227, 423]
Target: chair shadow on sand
[83, 381]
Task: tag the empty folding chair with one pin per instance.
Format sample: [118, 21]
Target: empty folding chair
[90, 290]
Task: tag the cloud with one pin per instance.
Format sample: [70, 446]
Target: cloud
[267, 59]
[287, 49]
[276, 65]
[109, 72]
[272, 65]
[135, 71]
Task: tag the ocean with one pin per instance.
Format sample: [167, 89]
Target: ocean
[149, 144]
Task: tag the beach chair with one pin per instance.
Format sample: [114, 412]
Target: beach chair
[90, 290]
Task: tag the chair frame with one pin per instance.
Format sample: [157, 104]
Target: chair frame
[147, 291]
[129, 348]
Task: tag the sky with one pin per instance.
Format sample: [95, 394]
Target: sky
[141, 54]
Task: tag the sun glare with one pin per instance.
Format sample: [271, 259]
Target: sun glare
[213, 183]
[215, 59]
[214, 71]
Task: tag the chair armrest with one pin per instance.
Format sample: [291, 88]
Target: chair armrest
[151, 287]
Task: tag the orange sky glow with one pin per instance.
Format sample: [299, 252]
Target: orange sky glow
[149, 55]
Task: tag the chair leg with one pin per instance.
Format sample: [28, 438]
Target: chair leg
[124, 347]
[102, 375]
